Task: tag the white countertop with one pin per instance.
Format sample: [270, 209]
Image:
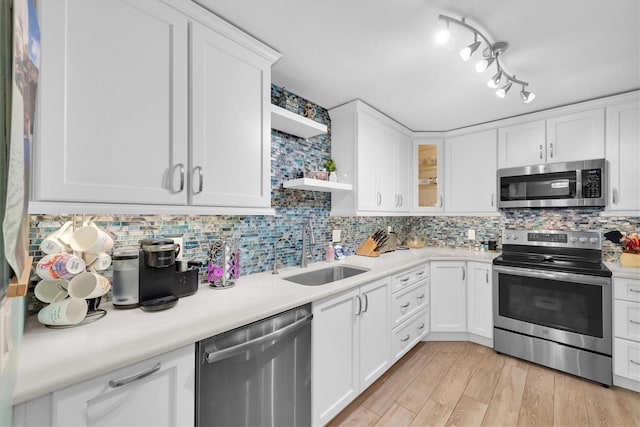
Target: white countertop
[52, 359]
[623, 272]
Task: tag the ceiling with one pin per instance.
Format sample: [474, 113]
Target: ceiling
[384, 53]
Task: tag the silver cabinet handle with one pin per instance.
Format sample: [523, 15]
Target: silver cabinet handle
[486, 277]
[419, 297]
[272, 336]
[401, 200]
[464, 273]
[406, 279]
[634, 322]
[181, 167]
[441, 201]
[200, 179]
[359, 305]
[134, 378]
[405, 339]
[634, 362]
[405, 305]
[366, 303]
[493, 202]
[378, 198]
[614, 196]
[421, 327]
[634, 290]
[540, 151]
[551, 150]
[420, 273]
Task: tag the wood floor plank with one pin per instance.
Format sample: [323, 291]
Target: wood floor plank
[419, 390]
[541, 378]
[455, 381]
[537, 406]
[602, 406]
[483, 381]
[504, 407]
[629, 404]
[396, 416]
[568, 402]
[467, 413]
[358, 417]
[432, 414]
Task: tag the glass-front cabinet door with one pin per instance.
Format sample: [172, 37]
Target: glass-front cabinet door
[428, 159]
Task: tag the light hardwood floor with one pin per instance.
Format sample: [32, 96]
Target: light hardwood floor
[466, 384]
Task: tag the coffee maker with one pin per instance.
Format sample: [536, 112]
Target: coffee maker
[157, 274]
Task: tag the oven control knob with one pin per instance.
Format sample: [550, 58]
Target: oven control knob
[573, 240]
[583, 240]
[593, 240]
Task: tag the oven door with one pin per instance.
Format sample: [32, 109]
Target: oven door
[573, 309]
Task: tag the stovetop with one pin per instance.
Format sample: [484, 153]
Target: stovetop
[553, 263]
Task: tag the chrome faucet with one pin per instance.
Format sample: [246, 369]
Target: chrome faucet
[304, 256]
[275, 254]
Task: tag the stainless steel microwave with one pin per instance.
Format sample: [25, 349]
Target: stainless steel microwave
[567, 184]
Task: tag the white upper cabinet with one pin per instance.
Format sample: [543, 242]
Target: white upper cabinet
[427, 184]
[470, 166]
[373, 151]
[623, 155]
[170, 109]
[112, 104]
[230, 156]
[564, 138]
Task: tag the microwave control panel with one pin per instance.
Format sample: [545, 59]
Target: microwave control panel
[592, 183]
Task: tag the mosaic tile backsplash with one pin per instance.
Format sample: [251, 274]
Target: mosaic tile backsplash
[290, 156]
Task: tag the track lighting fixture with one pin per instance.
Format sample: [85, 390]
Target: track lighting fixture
[491, 54]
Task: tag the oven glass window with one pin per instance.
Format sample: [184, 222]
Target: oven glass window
[573, 307]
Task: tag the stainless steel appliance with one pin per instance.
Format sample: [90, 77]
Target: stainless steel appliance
[552, 301]
[566, 184]
[257, 375]
[126, 276]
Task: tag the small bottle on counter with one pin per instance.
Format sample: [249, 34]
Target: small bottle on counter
[330, 252]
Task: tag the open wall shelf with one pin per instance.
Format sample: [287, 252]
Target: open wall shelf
[295, 124]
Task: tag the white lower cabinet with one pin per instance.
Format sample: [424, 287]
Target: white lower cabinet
[479, 299]
[626, 331]
[407, 335]
[350, 346]
[159, 391]
[448, 296]
[409, 309]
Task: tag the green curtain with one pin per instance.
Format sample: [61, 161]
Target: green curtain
[6, 25]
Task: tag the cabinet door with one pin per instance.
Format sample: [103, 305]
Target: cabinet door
[334, 349]
[522, 144]
[479, 299]
[163, 397]
[402, 156]
[427, 178]
[113, 103]
[231, 122]
[375, 329]
[448, 296]
[371, 160]
[623, 154]
[578, 136]
[471, 172]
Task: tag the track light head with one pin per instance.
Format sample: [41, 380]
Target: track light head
[494, 82]
[466, 52]
[502, 92]
[484, 63]
[443, 35]
[527, 96]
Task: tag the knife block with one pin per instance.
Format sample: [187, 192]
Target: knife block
[368, 248]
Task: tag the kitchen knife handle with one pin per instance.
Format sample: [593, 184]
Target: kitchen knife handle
[200, 179]
[614, 196]
[540, 151]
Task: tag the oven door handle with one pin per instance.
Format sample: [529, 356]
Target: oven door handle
[554, 275]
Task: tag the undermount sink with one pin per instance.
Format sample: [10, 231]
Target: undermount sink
[326, 275]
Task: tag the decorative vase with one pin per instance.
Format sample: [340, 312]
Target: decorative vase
[333, 177]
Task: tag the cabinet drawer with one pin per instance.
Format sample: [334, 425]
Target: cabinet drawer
[407, 302]
[627, 320]
[626, 289]
[409, 277]
[408, 335]
[626, 359]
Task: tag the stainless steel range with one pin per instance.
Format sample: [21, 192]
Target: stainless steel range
[552, 301]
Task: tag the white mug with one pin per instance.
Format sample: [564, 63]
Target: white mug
[69, 311]
[51, 290]
[100, 261]
[59, 266]
[58, 241]
[91, 239]
[88, 285]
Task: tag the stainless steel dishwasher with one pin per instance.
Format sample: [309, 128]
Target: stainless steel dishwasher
[258, 374]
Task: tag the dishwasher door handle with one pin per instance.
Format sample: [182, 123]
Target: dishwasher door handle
[240, 348]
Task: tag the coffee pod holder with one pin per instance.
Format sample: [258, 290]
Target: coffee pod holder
[223, 263]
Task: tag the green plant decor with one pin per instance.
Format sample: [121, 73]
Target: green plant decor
[330, 165]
